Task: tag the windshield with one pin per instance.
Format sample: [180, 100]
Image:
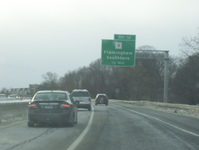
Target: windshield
[101, 96]
[80, 94]
[50, 96]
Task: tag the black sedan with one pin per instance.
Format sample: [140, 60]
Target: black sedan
[52, 107]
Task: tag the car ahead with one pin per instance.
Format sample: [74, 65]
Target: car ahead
[82, 98]
[52, 107]
[101, 99]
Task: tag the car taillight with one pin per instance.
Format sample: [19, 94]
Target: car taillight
[32, 106]
[65, 106]
[89, 99]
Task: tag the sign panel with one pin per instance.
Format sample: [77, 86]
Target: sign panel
[118, 53]
[124, 37]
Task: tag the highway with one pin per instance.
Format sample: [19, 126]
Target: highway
[114, 127]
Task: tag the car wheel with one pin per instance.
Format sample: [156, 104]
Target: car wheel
[30, 124]
[89, 108]
[76, 120]
[72, 122]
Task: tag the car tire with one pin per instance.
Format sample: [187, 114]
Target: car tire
[89, 108]
[30, 124]
[76, 120]
[71, 124]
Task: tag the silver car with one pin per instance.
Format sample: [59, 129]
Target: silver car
[82, 98]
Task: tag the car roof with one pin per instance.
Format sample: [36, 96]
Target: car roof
[101, 94]
[53, 91]
[80, 90]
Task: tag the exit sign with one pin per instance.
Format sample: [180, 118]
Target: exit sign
[120, 51]
[124, 37]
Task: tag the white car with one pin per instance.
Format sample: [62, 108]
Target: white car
[82, 98]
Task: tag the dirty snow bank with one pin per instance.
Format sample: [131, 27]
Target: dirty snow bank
[181, 109]
[13, 111]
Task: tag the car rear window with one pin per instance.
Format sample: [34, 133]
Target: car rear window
[50, 96]
[101, 96]
[80, 94]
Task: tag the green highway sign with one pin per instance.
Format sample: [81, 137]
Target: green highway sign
[124, 37]
[118, 52]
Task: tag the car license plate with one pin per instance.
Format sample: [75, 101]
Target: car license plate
[48, 106]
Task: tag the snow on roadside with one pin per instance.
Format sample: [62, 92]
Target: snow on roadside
[10, 118]
[181, 109]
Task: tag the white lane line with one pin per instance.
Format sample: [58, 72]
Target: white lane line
[189, 132]
[186, 131]
[83, 134]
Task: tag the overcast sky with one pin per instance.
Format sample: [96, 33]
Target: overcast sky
[38, 36]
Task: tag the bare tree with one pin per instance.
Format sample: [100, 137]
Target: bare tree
[50, 82]
[70, 81]
[186, 79]
[5, 91]
[190, 46]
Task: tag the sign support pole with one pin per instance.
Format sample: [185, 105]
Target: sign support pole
[166, 62]
[166, 70]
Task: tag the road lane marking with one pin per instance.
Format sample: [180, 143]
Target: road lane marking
[186, 131]
[83, 134]
[189, 132]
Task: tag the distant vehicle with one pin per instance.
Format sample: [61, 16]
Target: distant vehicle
[52, 107]
[82, 98]
[13, 96]
[101, 99]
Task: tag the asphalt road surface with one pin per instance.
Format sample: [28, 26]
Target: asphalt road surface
[114, 127]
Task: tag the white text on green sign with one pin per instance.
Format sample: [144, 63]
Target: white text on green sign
[124, 37]
[118, 52]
